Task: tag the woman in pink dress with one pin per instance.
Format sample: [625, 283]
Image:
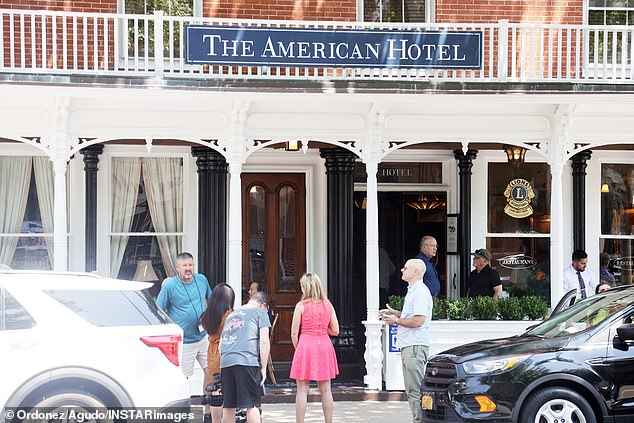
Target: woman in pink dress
[314, 321]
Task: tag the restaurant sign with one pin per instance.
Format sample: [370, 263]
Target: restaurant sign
[517, 261]
[333, 47]
[624, 263]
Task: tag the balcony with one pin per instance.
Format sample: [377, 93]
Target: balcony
[152, 46]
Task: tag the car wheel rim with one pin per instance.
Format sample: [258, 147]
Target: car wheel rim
[559, 411]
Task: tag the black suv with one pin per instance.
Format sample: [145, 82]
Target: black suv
[576, 367]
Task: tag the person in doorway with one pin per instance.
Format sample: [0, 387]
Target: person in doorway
[604, 274]
[577, 276]
[255, 287]
[314, 320]
[184, 298]
[244, 353]
[428, 248]
[412, 335]
[483, 280]
[213, 320]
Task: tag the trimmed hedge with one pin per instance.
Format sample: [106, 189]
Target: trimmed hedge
[484, 308]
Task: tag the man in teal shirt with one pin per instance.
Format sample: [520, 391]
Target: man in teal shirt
[184, 297]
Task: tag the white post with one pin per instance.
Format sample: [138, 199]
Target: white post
[60, 239]
[503, 49]
[556, 234]
[158, 43]
[373, 349]
[234, 254]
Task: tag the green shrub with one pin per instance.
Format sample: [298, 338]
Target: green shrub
[511, 308]
[396, 302]
[484, 308]
[535, 307]
[459, 309]
[440, 309]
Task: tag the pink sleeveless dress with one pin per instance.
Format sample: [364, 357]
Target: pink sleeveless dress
[315, 357]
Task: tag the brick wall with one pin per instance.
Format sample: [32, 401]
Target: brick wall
[97, 6]
[487, 11]
[309, 10]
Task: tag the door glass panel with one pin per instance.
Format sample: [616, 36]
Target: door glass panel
[287, 238]
[257, 233]
[617, 199]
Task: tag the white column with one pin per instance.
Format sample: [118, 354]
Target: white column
[373, 350]
[60, 239]
[234, 254]
[556, 233]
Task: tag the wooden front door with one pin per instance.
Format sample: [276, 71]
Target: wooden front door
[274, 245]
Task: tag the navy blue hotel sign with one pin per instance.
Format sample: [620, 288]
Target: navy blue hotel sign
[337, 48]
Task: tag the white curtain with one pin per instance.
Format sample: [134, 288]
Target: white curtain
[163, 178]
[43, 168]
[126, 176]
[15, 179]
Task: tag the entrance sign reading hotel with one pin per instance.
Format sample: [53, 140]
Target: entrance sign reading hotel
[333, 47]
[519, 194]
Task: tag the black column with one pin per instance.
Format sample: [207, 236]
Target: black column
[212, 214]
[91, 161]
[579, 166]
[340, 175]
[465, 163]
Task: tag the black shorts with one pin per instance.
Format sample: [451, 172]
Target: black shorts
[241, 387]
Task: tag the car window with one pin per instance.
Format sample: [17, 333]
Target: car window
[111, 308]
[585, 314]
[12, 315]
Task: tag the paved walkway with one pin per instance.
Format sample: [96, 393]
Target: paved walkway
[345, 412]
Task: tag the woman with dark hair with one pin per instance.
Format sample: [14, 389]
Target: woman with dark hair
[213, 320]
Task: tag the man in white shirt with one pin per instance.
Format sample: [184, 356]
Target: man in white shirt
[578, 277]
[412, 336]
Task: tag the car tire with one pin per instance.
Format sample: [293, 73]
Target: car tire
[556, 404]
[83, 403]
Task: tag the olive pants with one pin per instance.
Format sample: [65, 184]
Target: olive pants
[414, 359]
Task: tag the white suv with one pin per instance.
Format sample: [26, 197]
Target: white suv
[85, 341]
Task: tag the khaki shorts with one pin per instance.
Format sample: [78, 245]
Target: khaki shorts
[196, 351]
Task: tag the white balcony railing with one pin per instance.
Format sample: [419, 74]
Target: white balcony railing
[67, 43]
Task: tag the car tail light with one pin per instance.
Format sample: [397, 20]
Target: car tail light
[168, 344]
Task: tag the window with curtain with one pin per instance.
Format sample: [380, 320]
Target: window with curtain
[26, 220]
[617, 220]
[146, 229]
[397, 10]
[143, 30]
[517, 236]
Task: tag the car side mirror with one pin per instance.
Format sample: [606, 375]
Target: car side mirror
[625, 332]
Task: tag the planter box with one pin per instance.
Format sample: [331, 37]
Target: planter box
[446, 334]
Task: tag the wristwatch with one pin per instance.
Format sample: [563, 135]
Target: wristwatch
[396, 321]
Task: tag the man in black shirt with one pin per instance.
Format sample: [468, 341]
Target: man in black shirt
[483, 280]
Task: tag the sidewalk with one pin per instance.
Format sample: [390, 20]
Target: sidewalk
[344, 412]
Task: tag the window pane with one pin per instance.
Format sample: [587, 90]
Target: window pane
[415, 11]
[96, 307]
[142, 259]
[372, 10]
[31, 253]
[621, 253]
[287, 238]
[13, 316]
[523, 264]
[596, 3]
[617, 198]
[257, 233]
[532, 201]
[392, 11]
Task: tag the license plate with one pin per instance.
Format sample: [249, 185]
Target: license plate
[427, 401]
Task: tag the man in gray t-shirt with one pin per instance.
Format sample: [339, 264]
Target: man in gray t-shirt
[244, 351]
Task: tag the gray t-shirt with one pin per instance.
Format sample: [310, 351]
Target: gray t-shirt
[240, 339]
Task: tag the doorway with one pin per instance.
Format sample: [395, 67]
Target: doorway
[274, 246]
[404, 218]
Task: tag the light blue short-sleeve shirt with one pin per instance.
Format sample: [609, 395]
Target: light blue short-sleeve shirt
[418, 302]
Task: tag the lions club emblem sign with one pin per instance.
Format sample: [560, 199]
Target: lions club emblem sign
[519, 194]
